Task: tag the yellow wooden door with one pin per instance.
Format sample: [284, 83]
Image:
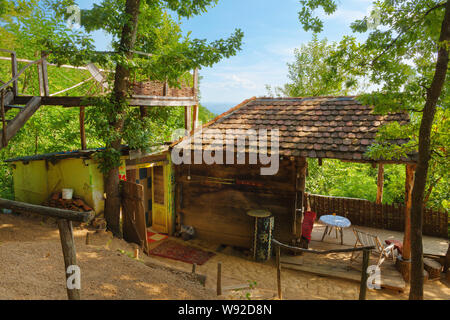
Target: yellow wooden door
[159, 200]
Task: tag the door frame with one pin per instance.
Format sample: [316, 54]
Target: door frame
[166, 228]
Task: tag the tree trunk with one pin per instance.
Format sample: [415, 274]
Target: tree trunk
[120, 91]
[433, 94]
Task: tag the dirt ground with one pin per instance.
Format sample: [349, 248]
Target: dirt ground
[32, 267]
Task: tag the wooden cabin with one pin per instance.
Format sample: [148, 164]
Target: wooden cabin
[215, 199]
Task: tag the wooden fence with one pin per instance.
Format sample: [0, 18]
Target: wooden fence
[370, 214]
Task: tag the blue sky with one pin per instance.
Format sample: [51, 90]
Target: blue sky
[271, 33]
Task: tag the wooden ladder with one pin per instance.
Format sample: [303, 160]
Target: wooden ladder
[11, 127]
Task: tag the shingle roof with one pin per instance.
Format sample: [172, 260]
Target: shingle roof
[318, 127]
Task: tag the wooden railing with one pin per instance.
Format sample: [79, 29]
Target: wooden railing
[365, 262]
[370, 214]
[65, 218]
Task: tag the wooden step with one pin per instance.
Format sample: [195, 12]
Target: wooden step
[11, 106]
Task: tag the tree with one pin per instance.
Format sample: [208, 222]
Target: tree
[311, 74]
[406, 54]
[138, 25]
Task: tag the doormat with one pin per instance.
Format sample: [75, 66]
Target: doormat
[154, 237]
[176, 251]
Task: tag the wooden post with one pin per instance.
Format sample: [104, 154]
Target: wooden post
[409, 183]
[380, 183]
[194, 118]
[15, 86]
[278, 261]
[70, 257]
[300, 183]
[43, 76]
[447, 261]
[82, 129]
[4, 141]
[363, 285]
[194, 266]
[195, 115]
[219, 279]
[188, 119]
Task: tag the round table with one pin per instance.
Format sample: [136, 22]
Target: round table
[337, 222]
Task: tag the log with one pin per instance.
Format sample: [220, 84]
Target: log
[380, 183]
[82, 129]
[69, 253]
[433, 267]
[409, 183]
[15, 85]
[187, 119]
[194, 118]
[19, 121]
[447, 261]
[280, 295]
[219, 279]
[363, 285]
[404, 267]
[46, 211]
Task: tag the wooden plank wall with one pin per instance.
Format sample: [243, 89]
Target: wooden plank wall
[370, 214]
[216, 198]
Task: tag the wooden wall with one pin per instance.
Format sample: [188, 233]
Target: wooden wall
[216, 198]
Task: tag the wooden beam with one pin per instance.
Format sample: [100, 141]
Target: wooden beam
[92, 101]
[380, 183]
[409, 183]
[47, 211]
[300, 183]
[188, 119]
[194, 118]
[363, 284]
[278, 254]
[20, 120]
[4, 142]
[69, 253]
[82, 129]
[219, 278]
[15, 86]
[43, 76]
[195, 81]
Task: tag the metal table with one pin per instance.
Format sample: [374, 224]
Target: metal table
[337, 222]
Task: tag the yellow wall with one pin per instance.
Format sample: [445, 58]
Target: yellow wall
[30, 182]
[35, 182]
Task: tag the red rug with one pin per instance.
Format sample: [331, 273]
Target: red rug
[176, 251]
[154, 237]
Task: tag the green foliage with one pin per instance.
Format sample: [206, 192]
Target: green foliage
[26, 27]
[398, 60]
[312, 75]
[171, 56]
[355, 180]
